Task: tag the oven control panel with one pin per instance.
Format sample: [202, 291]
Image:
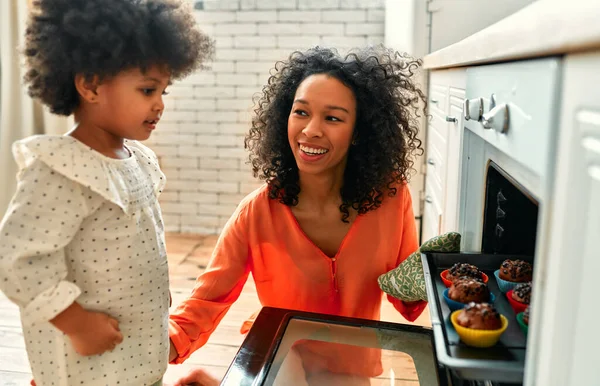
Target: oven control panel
[512, 106]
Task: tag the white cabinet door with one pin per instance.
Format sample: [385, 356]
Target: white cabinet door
[443, 148]
[565, 332]
[432, 216]
[453, 164]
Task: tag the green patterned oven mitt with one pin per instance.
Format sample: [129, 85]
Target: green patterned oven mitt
[407, 281]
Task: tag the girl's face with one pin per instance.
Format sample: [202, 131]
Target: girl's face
[321, 125]
[130, 104]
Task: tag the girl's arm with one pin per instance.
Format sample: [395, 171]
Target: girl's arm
[43, 217]
[194, 320]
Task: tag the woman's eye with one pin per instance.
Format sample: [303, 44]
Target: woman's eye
[148, 91]
[300, 112]
[165, 92]
[334, 119]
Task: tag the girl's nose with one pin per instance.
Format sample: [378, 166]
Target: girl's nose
[160, 105]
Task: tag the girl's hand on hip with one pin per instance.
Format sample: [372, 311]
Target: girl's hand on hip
[98, 333]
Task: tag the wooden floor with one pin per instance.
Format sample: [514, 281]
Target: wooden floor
[188, 256]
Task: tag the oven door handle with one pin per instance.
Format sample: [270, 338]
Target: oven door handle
[497, 118]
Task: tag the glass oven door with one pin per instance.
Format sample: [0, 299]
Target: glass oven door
[290, 348]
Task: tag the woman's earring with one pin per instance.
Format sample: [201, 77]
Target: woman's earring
[354, 142]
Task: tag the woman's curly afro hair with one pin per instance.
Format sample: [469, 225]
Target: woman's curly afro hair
[388, 107]
[104, 37]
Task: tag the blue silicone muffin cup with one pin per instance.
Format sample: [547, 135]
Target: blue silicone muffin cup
[454, 305]
[504, 285]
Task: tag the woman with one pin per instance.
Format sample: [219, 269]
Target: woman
[333, 137]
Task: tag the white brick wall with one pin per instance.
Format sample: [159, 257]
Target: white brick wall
[199, 141]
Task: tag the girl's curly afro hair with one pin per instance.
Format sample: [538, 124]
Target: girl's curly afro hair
[104, 37]
[388, 107]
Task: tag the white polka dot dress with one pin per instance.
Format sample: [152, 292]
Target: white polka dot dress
[85, 227]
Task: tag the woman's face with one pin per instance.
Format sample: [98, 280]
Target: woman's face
[321, 125]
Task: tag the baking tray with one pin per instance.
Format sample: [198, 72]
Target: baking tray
[503, 362]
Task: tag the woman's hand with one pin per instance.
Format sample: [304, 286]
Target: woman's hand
[197, 377]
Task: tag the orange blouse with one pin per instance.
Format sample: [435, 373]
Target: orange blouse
[264, 238]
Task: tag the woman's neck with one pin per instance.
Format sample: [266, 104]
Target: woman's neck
[319, 192]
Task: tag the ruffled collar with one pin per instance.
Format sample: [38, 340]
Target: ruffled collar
[80, 163]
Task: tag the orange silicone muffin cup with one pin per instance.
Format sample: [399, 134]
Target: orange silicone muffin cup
[448, 283]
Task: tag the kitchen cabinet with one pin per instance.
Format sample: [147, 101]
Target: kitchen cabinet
[454, 20]
[443, 149]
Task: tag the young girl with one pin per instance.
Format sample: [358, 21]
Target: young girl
[333, 137]
[82, 247]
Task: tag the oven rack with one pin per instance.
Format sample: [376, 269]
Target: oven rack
[503, 362]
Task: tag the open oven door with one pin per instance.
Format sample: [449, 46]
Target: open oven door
[286, 347]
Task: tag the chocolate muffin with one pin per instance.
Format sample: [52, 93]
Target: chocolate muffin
[468, 289]
[479, 316]
[516, 271]
[463, 269]
[526, 316]
[522, 293]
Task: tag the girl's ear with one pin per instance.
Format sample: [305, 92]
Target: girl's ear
[87, 87]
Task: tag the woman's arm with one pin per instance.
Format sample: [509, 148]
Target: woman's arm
[194, 320]
[409, 244]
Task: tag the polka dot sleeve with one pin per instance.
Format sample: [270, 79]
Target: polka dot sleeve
[43, 217]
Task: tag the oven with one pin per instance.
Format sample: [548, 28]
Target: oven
[505, 191]
[507, 163]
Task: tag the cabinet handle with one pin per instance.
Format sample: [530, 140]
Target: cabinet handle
[451, 119]
[434, 101]
[428, 199]
[430, 161]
